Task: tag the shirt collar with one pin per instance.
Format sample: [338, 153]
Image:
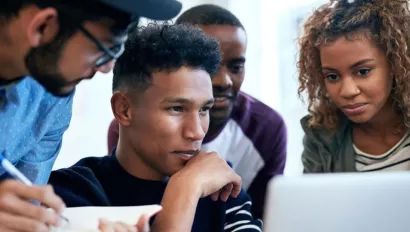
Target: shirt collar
[5, 88]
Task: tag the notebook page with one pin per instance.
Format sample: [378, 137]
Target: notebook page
[85, 219]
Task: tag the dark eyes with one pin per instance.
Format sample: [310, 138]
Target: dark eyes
[205, 109]
[332, 77]
[181, 109]
[236, 68]
[176, 109]
[361, 73]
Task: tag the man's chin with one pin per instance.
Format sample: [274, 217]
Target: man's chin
[55, 85]
[220, 114]
[61, 92]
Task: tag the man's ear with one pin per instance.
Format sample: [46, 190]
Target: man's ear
[121, 108]
[43, 27]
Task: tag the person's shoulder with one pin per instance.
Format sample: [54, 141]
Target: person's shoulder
[257, 111]
[114, 123]
[305, 123]
[79, 185]
[322, 134]
[314, 132]
[84, 168]
[71, 175]
[114, 126]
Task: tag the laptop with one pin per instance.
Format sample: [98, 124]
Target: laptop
[362, 202]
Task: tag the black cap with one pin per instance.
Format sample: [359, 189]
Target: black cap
[152, 9]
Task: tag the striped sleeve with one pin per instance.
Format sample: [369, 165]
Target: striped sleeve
[238, 216]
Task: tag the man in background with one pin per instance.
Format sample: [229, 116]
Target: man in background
[58, 43]
[246, 132]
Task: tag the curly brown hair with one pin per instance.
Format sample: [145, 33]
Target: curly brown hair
[388, 24]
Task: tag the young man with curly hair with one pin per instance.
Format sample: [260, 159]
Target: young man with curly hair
[354, 67]
[162, 96]
[246, 132]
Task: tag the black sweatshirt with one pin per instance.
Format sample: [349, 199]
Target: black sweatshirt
[101, 181]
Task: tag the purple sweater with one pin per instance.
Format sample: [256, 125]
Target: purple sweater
[253, 140]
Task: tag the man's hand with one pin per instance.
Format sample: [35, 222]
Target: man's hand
[142, 226]
[18, 214]
[209, 174]
[204, 174]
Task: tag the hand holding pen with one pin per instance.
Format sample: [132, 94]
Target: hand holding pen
[17, 213]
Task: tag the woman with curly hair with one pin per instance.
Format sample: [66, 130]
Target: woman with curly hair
[354, 67]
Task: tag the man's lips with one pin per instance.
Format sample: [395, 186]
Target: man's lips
[186, 154]
[222, 100]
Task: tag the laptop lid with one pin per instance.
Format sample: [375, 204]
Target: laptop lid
[374, 202]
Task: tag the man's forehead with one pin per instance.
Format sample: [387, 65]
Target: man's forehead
[185, 82]
[226, 33]
[181, 78]
[171, 95]
[171, 91]
[182, 99]
[181, 90]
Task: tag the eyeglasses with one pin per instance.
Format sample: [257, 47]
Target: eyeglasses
[110, 54]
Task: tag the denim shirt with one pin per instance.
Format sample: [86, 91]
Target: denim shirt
[32, 124]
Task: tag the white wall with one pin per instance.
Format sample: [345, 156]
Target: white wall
[270, 77]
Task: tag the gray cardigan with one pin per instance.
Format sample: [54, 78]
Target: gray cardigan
[324, 152]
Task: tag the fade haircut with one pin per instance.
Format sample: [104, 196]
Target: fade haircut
[162, 47]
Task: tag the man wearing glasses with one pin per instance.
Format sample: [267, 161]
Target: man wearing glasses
[58, 43]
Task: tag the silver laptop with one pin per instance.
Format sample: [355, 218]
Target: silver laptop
[362, 202]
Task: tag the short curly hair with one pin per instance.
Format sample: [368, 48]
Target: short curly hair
[388, 24]
[163, 47]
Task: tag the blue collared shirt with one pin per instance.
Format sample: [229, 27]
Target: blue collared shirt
[32, 124]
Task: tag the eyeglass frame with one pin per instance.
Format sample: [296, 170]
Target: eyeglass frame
[109, 55]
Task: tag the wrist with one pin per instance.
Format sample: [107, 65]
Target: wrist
[178, 206]
[185, 184]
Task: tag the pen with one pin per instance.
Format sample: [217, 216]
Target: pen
[15, 173]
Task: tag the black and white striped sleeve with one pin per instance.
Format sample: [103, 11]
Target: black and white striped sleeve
[238, 216]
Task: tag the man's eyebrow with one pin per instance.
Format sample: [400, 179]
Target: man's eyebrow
[176, 100]
[238, 60]
[185, 101]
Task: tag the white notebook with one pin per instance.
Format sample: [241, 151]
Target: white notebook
[85, 219]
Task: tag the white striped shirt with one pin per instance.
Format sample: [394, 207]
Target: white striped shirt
[396, 159]
[239, 217]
